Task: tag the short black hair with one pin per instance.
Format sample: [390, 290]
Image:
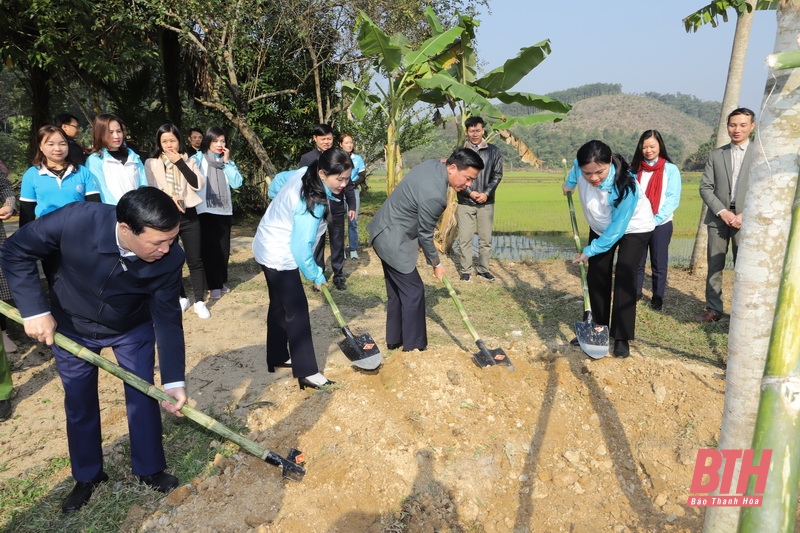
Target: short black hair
[322, 129]
[212, 134]
[64, 118]
[473, 121]
[742, 111]
[198, 130]
[148, 207]
[168, 128]
[465, 157]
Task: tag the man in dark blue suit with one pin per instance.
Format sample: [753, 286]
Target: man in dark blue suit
[115, 282]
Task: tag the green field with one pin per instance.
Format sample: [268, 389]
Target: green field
[531, 203]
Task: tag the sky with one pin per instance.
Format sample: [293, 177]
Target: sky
[639, 43]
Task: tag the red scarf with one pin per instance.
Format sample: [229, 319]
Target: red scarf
[656, 182]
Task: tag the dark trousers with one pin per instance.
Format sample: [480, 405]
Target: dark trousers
[135, 352]
[621, 319]
[215, 233]
[405, 309]
[336, 234]
[288, 323]
[191, 240]
[658, 246]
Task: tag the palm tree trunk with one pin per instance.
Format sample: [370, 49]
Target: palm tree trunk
[764, 235]
[698, 265]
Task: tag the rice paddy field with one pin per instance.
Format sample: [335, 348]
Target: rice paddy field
[531, 203]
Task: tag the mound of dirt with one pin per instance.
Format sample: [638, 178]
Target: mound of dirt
[429, 442]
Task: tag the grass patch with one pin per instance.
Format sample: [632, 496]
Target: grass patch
[32, 503]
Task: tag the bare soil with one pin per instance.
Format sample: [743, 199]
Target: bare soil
[429, 442]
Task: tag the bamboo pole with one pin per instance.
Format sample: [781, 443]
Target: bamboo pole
[784, 60]
[777, 425]
[291, 468]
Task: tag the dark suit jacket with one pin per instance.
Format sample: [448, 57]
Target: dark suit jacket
[406, 220]
[97, 293]
[715, 185]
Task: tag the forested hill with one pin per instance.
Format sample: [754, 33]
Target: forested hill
[706, 111]
[613, 117]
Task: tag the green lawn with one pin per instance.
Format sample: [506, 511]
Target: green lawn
[532, 203]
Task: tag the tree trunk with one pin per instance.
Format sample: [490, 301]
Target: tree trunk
[394, 161]
[171, 65]
[698, 265]
[767, 217]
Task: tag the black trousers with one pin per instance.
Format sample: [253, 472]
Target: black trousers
[336, 229]
[658, 246]
[405, 309]
[191, 240]
[621, 319]
[288, 323]
[215, 232]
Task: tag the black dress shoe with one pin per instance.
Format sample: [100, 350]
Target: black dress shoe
[272, 366]
[656, 304]
[340, 284]
[394, 346]
[304, 382]
[160, 481]
[621, 349]
[6, 409]
[81, 493]
[486, 275]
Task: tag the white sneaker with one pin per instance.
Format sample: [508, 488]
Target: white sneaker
[184, 304]
[201, 310]
[8, 344]
[353, 254]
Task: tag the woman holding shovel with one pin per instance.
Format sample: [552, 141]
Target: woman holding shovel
[284, 247]
[619, 218]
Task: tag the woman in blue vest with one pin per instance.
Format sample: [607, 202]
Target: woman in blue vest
[116, 168]
[660, 181]
[284, 246]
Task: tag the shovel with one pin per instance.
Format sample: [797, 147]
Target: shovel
[485, 356]
[362, 350]
[290, 467]
[592, 337]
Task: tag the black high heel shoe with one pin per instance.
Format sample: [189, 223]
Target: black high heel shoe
[286, 364]
[304, 382]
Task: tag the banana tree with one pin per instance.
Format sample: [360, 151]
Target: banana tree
[403, 67]
[458, 86]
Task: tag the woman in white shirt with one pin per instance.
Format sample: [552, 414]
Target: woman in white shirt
[620, 219]
[660, 181]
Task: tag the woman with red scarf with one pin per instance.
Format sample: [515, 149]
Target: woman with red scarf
[660, 180]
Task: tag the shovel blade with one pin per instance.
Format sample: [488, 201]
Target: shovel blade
[290, 466]
[490, 357]
[361, 350]
[592, 338]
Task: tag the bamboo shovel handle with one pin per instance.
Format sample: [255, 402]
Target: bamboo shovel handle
[334, 307]
[461, 310]
[143, 386]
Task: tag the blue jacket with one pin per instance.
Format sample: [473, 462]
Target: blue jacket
[97, 293]
[96, 163]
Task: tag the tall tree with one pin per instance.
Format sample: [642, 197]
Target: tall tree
[765, 227]
[710, 14]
